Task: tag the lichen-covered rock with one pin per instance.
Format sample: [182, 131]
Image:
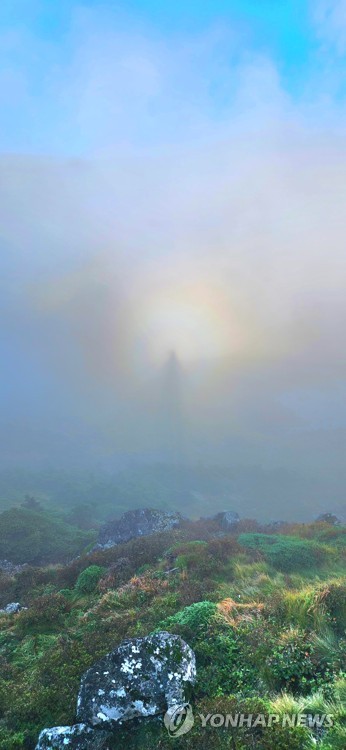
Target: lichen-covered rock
[141, 678]
[12, 609]
[135, 523]
[77, 737]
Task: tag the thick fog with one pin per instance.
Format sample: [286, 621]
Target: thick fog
[173, 266]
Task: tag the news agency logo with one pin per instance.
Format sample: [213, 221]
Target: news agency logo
[179, 720]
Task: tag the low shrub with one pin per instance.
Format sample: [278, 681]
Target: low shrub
[333, 598]
[191, 622]
[287, 553]
[294, 665]
[88, 579]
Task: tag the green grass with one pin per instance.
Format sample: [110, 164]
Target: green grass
[277, 635]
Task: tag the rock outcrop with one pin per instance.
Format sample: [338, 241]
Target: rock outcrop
[12, 609]
[227, 519]
[11, 569]
[77, 737]
[135, 523]
[328, 518]
[141, 678]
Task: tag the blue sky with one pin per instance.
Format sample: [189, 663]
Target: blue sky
[286, 22]
[40, 42]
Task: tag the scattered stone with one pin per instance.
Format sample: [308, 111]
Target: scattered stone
[139, 679]
[136, 523]
[12, 609]
[77, 737]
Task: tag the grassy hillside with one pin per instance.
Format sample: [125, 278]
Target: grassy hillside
[265, 614]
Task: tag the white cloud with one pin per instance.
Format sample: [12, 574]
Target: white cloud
[330, 19]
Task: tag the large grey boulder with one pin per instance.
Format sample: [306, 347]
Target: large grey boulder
[77, 737]
[141, 678]
[135, 523]
[227, 519]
